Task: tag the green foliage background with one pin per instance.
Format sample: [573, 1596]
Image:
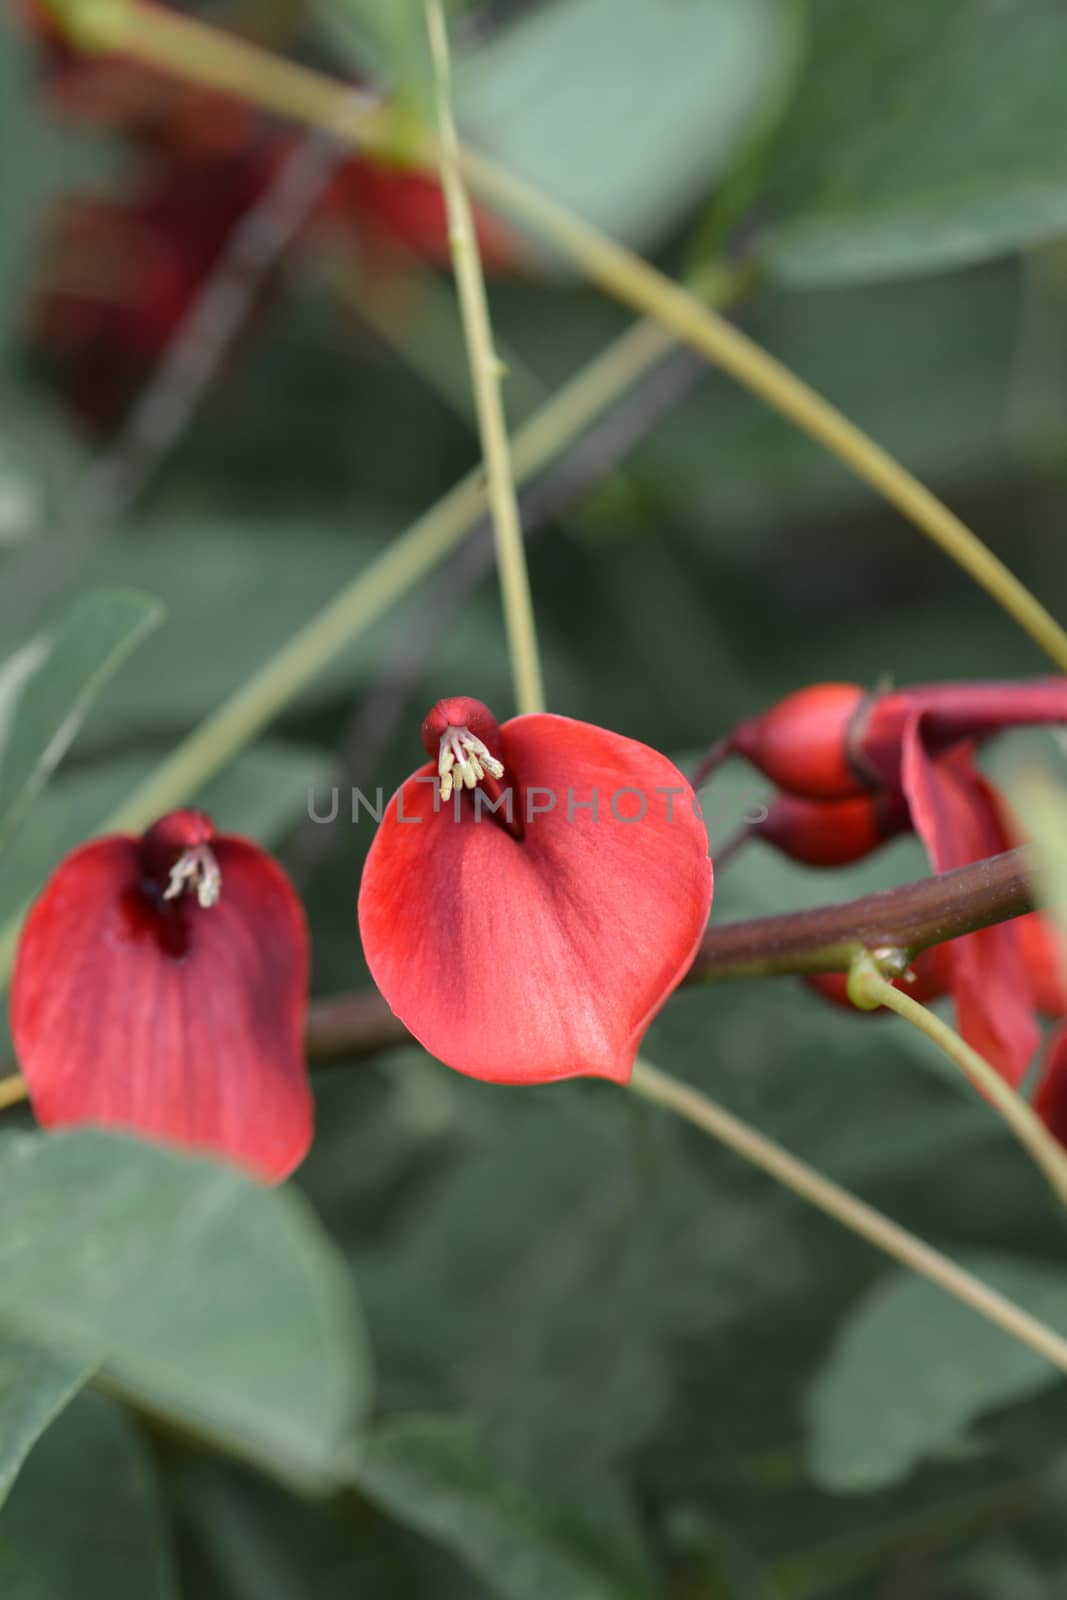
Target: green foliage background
[608, 1362]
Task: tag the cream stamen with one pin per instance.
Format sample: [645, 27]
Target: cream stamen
[198, 872]
[464, 761]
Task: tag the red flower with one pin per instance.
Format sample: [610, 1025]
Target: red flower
[858, 767]
[161, 987]
[834, 740]
[533, 895]
[959, 817]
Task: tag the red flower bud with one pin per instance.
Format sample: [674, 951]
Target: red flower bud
[833, 740]
[161, 986]
[802, 743]
[533, 895]
[832, 833]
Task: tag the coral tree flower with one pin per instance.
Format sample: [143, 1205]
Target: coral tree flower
[161, 987]
[856, 768]
[533, 895]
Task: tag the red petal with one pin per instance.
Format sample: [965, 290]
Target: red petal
[952, 713]
[956, 813]
[1042, 948]
[1050, 1102]
[203, 1049]
[522, 962]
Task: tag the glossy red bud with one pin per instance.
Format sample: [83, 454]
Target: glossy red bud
[802, 743]
[832, 833]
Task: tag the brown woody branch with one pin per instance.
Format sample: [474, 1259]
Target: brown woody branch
[911, 919]
[825, 939]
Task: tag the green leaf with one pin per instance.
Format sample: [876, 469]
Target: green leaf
[912, 1371]
[434, 1474]
[47, 688]
[921, 136]
[207, 1298]
[387, 38]
[628, 111]
[85, 1519]
[233, 590]
[34, 1388]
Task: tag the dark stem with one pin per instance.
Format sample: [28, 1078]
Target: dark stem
[826, 939]
[910, 918]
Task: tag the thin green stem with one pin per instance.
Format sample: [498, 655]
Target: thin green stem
[485, 369]
[198, 51]
[869, 988]
[403, 564]
[848, 1209]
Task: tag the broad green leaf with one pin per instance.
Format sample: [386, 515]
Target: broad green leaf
[34, 1388]
[434, 1474]
[912, 1371]
[235, 590]
[386, 38]
[84, 1521]
[921, 136]
[264, 1544]
[47, 688]
[628, 111]
[209, 1299]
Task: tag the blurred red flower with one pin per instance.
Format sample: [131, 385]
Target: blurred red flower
[121, 271]
[859, 767]
[161, 987]
[533, 895]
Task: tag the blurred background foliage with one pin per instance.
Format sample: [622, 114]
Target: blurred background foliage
[610, 1364]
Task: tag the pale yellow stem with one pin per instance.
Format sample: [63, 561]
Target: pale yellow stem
[847, 1209]
[869, 988]
[13, 1091]
[485, 370]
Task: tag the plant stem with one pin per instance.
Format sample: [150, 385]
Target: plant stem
[868, 988]
[388, 578]
[847, 1209]
[198, 51]
[13, 1091]
[485, 370]
[911, 918]
[343, 1027]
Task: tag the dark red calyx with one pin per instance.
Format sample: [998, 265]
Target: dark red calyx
[803, 743]
[463, 738]
[833, 833]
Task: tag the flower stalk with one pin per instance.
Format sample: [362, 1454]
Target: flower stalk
[847, 1209]
[869, 988]
[486, 371]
